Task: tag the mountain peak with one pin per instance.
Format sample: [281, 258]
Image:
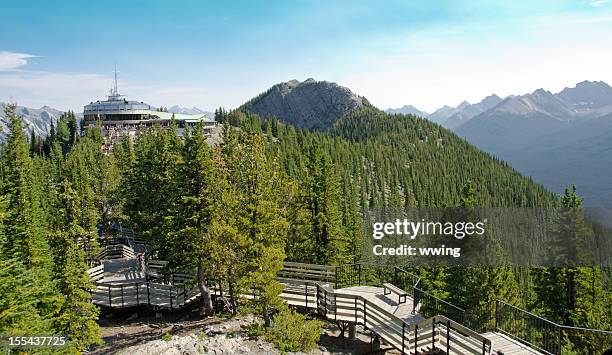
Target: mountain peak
[588, 83]
[407, 110]
[463, 105]
[311, 104]
[489, 102]
[587, 95]
[541, 92]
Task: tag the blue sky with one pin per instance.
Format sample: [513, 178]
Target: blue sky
[213, 53]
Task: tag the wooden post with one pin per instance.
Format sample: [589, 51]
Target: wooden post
[170, 297]
[306, 296]
[137, 295]
[110, 299]
[148, 295]
[433, 332]
[448, 336]
[365, 312]
[325, 299]
[403, 337]
[496, 314]
[416, 339]
[336, 277]
[122, 295]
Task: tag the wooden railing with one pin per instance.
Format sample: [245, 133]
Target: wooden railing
[437, 332]
[308, 272]
[144, 293]
[116, 251]
[96, 273]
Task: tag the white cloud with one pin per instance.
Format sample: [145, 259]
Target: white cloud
[12, 60]
[59, 90]
[599, 3]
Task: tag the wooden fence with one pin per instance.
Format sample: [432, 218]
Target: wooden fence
[116, 251]
[144, 293]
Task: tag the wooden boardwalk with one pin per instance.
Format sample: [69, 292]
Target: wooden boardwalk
[507, 345]
[123, 283]
[375, 295]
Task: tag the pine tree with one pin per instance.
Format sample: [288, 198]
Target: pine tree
[571, 291]
[72, 128]
[323, 198]
[261, 220]
[151, 182]
[477, 286]
[25, 242]
[77, 316]
[189, 244]
[18, 292]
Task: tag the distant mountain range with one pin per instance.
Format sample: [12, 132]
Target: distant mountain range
[38, 119]
[190, 111]
[558, 139]
[311, 104]
[408, 110]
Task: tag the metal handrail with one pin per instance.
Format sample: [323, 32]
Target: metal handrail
[551, 322]
[552, 332]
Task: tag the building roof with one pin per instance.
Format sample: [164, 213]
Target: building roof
[183, 117]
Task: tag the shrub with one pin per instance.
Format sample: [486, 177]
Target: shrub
[167, 337]
[290, 331]
[254, 330]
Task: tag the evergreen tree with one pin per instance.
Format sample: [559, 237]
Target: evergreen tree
[261, 220]
[571, 291]
[151, 186]
[488, 278]
[323, 198]
[77, 316]
[189, 244]
[25, 243]
[18, 292]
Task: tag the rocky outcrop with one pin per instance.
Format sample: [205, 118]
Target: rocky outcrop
[225, 338]
[310, 104]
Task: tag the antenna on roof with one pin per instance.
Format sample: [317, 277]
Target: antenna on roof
[116, 91]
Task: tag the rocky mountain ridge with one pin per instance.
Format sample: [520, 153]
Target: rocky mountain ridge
[585, 99]
[35, 119]
[310, 104]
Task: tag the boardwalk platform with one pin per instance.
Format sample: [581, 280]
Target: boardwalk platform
[507, 345]
[375, 295]
[118, 271]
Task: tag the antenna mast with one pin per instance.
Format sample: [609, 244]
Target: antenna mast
[116, 90]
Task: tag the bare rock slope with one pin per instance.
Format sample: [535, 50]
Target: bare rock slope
[310, 104]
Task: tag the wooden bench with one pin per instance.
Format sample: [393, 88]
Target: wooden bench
[389, 288]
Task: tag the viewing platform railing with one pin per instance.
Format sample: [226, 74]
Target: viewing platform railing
[542, 334]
